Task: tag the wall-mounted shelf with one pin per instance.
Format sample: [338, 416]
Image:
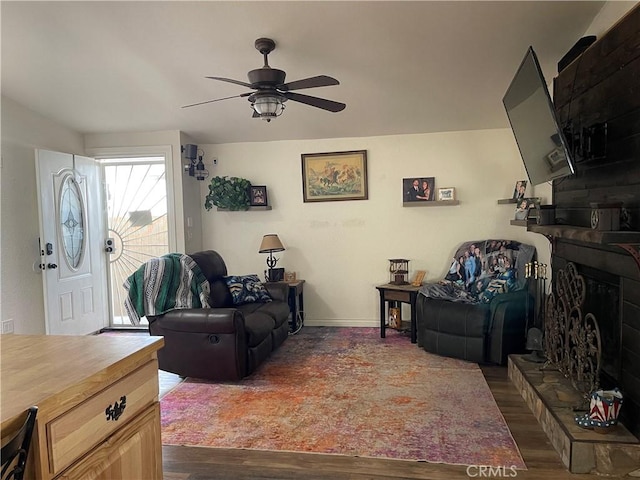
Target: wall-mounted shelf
[585, 234]
[432, 203]
[262, 207]
[522, 223]
[506, 201]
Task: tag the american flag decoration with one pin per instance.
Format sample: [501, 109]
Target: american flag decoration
[604, 409]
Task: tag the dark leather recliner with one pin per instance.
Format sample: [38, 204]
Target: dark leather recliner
[480, 333]
[479, 314]
[226, 341]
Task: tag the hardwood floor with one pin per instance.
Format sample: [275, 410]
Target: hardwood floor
[195, 463]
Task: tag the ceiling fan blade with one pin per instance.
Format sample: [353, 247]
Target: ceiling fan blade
[322, 103]
[311, 82]
[218, 99]
[231, 80]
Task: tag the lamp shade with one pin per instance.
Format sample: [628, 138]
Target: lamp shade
[271, 243]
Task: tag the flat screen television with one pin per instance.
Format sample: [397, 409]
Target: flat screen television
[540, 140]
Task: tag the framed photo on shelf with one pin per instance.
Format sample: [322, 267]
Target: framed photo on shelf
[258, 196]
[328, 177]
[448, 193]
[418, 189]
[520, 189]
[527, 208]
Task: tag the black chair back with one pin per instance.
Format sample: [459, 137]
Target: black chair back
[15, 452]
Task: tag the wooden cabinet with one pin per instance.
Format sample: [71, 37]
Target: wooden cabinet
[128, 454]
[97, 398]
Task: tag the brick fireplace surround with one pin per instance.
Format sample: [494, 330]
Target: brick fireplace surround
[598, 92]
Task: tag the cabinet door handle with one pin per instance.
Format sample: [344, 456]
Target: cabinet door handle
[114, 411]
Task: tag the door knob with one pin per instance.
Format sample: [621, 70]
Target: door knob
[52, 265]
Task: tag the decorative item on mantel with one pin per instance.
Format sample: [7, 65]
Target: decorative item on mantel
[398, 271]
[605, 216]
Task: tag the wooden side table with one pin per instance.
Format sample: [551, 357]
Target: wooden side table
[296, 305]
[402, 294]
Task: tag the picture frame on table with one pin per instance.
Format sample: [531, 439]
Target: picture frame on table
[419, 277]
[274, 275]
[334, 176]
[258, 196]
[446, 194]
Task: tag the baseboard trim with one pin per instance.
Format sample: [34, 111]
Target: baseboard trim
[341, 322]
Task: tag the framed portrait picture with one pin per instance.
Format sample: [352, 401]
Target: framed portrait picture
[334, 176]
[448, 193]
[418, 189]
[520, 189]
[258, 196]
[527, 208]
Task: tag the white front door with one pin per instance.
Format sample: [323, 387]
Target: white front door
[71, 242]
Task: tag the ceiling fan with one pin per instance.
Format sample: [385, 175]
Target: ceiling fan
[267, 101]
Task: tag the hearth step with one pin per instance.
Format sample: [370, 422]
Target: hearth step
[551, 398]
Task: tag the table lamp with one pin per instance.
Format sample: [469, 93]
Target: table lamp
[271, 243]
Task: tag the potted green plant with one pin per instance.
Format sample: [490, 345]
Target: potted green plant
[230, 193]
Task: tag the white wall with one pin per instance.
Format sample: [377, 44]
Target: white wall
[21, 288]
[192, 203]
[342, 248]
[609, 15]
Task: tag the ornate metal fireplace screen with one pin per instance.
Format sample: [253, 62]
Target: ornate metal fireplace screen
[572, 341]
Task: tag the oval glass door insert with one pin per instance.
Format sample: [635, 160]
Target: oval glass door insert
[72, 221]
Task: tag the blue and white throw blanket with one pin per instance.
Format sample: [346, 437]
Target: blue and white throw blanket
[166, 283]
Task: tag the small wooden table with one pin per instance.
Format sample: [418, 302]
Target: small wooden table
[394, 294]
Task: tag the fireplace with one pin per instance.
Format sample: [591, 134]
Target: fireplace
[602, 299]
[592, 313]
[598, 93]
[613, 298]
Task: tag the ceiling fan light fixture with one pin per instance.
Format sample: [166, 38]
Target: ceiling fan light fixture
[268, 106]
[270, 90]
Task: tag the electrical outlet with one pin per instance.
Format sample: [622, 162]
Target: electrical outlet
[7, 326]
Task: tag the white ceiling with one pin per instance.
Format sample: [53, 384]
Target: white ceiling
[404, 67]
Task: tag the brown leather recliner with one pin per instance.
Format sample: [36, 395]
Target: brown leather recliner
[226, 341]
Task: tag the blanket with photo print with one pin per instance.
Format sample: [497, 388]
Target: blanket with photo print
[482, 269]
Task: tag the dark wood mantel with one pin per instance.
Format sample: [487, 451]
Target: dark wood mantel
[588, 235]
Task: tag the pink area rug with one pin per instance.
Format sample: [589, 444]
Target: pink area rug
[347, 391]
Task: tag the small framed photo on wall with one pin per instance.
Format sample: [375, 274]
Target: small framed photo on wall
[520, 189]
[448, 193]
[258, 196]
